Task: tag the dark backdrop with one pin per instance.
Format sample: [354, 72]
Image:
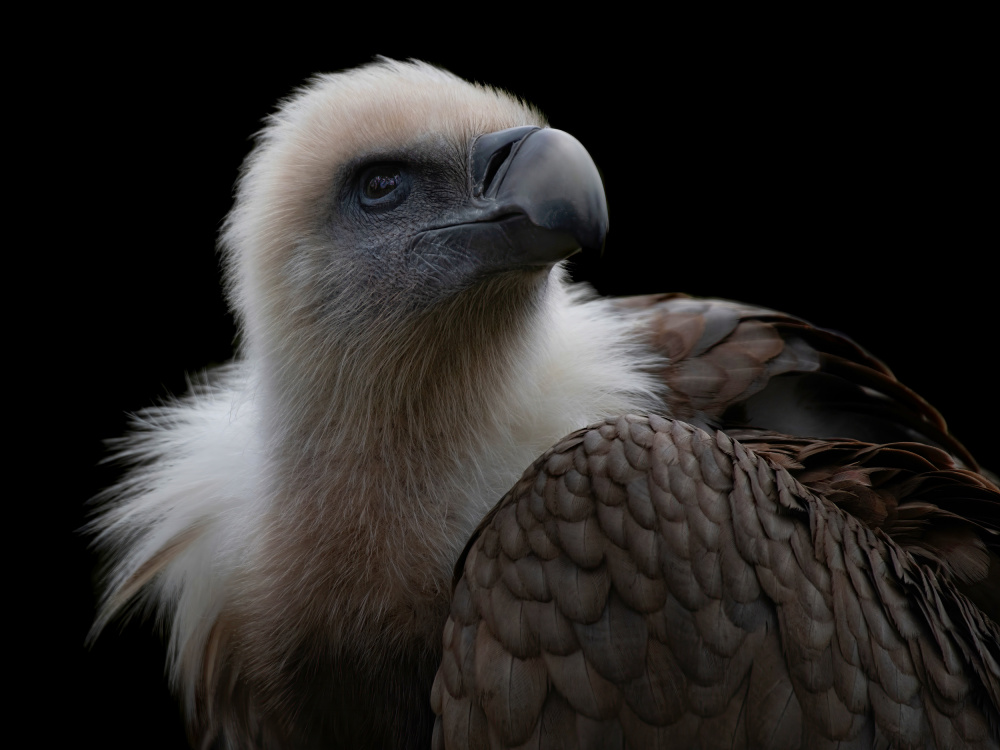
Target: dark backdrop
[839, 182]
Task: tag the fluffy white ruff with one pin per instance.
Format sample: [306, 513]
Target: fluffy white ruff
[180, 526]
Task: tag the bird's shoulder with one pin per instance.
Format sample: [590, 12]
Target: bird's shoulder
[731, 365]
[730, 573]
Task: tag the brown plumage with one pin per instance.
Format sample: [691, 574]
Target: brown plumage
[763, 539]
[648, 583]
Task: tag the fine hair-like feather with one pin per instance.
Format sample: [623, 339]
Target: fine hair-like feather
[280, 499]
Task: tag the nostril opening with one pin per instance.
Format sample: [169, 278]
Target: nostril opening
[491, 156]
[496, 161]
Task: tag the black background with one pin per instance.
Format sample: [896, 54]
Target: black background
[840, 178]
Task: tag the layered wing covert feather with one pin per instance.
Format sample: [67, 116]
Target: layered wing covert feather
[650, 584]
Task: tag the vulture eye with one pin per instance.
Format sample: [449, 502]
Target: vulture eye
[383, 185]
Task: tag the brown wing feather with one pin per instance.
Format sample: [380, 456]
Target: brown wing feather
[945, 517]
[736, 365]
[650, 584]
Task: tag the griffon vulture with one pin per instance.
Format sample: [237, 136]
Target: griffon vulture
[721, 526]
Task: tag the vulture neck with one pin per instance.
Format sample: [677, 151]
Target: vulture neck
[448, 405]
[387, 448]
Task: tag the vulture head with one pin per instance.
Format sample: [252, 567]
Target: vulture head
[394, 237]
[752, 556]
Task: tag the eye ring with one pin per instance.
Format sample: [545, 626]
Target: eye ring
[383, 185]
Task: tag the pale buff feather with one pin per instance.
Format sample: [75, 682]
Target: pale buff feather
[279, 480]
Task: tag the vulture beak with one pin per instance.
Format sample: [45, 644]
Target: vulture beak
[536, 198]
